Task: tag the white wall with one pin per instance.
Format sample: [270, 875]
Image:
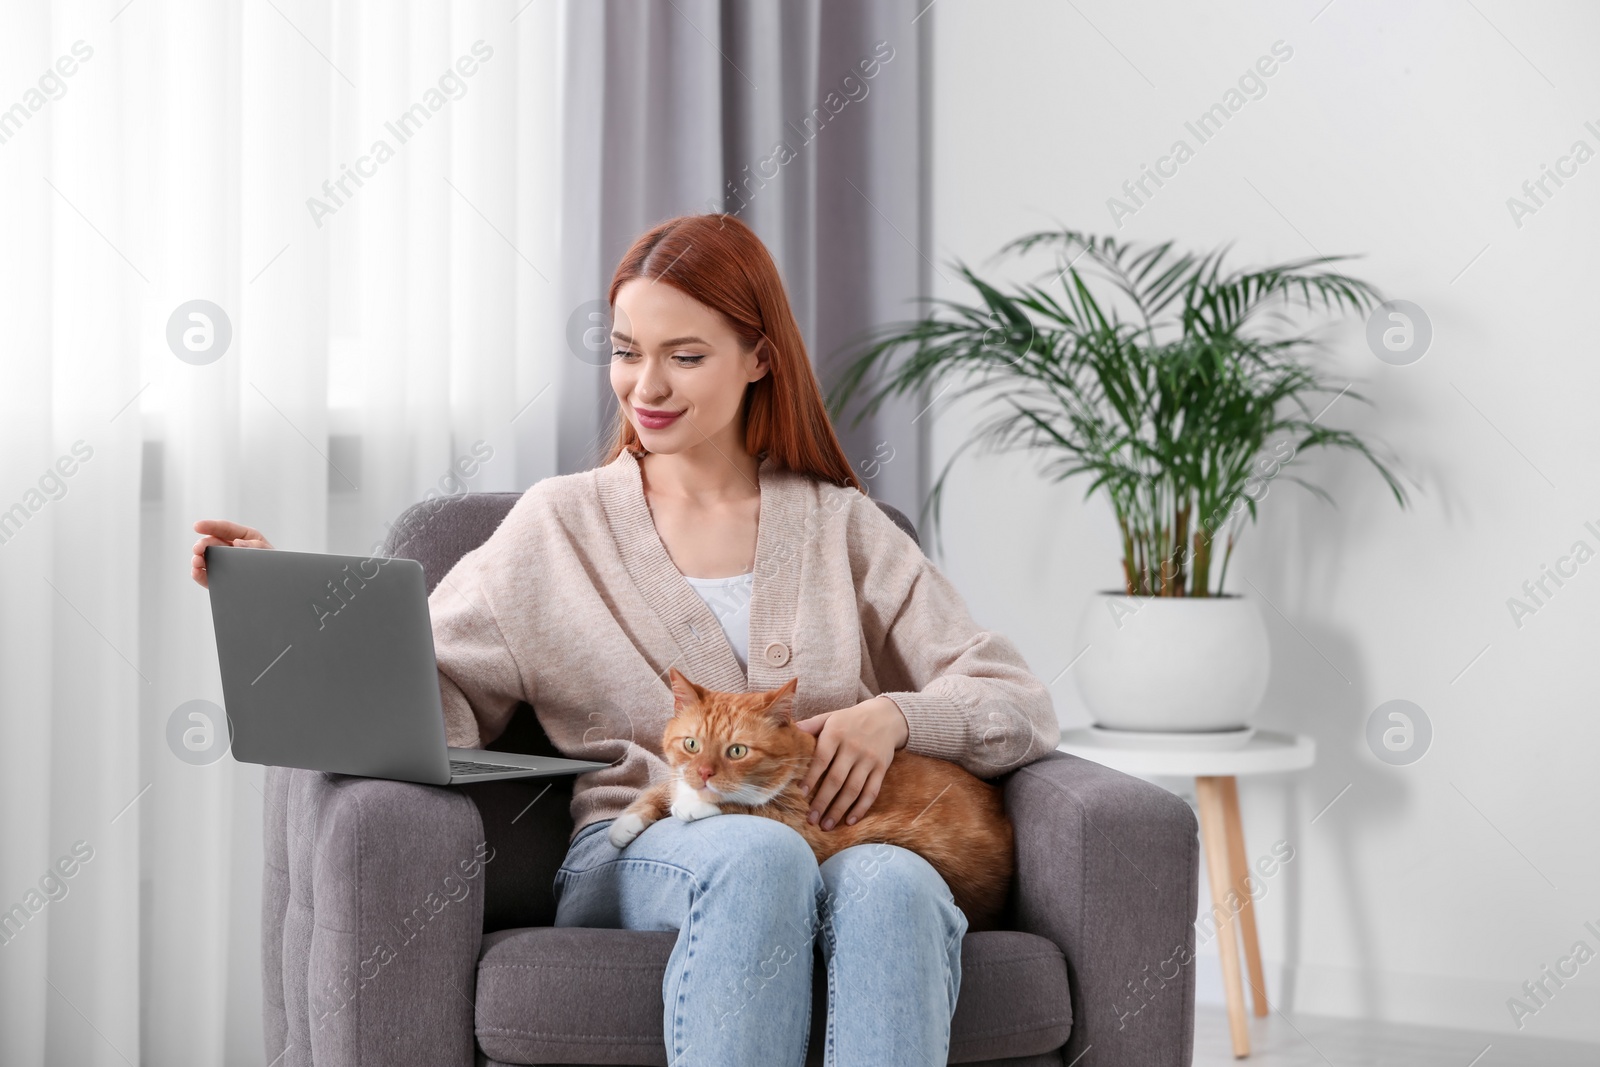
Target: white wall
[1428, 893]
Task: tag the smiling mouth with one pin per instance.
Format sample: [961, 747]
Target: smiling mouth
[655, 421]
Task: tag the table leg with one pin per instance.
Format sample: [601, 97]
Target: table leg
[1240, 870]
[1214, 833]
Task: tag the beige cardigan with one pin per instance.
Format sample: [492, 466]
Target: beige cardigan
[574, 606]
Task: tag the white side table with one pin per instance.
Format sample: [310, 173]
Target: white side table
[1217, 794]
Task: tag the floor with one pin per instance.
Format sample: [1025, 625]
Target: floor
[1314, 1041]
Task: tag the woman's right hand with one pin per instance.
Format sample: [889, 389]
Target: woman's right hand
[221, 532]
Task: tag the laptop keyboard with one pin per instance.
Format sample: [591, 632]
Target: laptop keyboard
[467, 767]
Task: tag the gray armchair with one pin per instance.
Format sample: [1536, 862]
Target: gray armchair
[410, 924]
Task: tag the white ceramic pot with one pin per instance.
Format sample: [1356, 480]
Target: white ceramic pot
[1174, 664]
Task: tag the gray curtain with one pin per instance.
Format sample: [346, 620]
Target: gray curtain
[761, 108]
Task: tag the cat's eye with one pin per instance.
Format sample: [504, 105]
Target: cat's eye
[691, 744]
[737, 751]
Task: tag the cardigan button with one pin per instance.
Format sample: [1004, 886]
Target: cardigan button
[777, 654]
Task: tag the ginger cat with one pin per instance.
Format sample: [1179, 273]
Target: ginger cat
[757, 758]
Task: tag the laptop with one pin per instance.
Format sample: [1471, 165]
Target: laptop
[327, 664]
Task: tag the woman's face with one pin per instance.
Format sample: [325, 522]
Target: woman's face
[674, 356]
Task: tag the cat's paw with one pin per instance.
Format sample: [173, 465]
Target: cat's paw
[694, 808]
[624, 828]
[688, 806]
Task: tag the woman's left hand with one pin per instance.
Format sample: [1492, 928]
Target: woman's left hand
[855, 746]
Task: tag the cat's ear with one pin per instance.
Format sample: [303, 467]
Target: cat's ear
[781, 708]
[684, 692]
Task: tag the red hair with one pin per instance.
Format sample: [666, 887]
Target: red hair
[719, 261]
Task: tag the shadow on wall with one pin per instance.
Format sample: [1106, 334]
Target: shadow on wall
[1319, 686]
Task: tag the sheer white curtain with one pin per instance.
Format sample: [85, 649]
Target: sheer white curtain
[399, 213]
[367, 192]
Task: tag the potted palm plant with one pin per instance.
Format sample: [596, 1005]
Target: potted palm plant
[1170, 391]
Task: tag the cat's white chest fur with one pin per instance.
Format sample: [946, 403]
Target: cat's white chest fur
[687, 805]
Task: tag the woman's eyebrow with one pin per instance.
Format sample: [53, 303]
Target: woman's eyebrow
[619, 335]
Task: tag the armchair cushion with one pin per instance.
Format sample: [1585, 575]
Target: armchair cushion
[574, 995]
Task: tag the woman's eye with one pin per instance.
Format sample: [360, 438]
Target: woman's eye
[737, 751]
[685, 359]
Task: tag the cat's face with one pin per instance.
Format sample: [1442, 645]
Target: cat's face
[735, 748]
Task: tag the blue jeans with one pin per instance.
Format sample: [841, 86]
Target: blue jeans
[747, 896]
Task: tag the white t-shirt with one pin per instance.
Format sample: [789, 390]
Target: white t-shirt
[729, 601]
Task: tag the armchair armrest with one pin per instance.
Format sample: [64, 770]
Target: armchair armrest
[1108, 869]
[382, 922]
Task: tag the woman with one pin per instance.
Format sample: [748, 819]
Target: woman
[725, 479]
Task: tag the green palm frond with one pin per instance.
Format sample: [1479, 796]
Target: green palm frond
[1168, 412]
